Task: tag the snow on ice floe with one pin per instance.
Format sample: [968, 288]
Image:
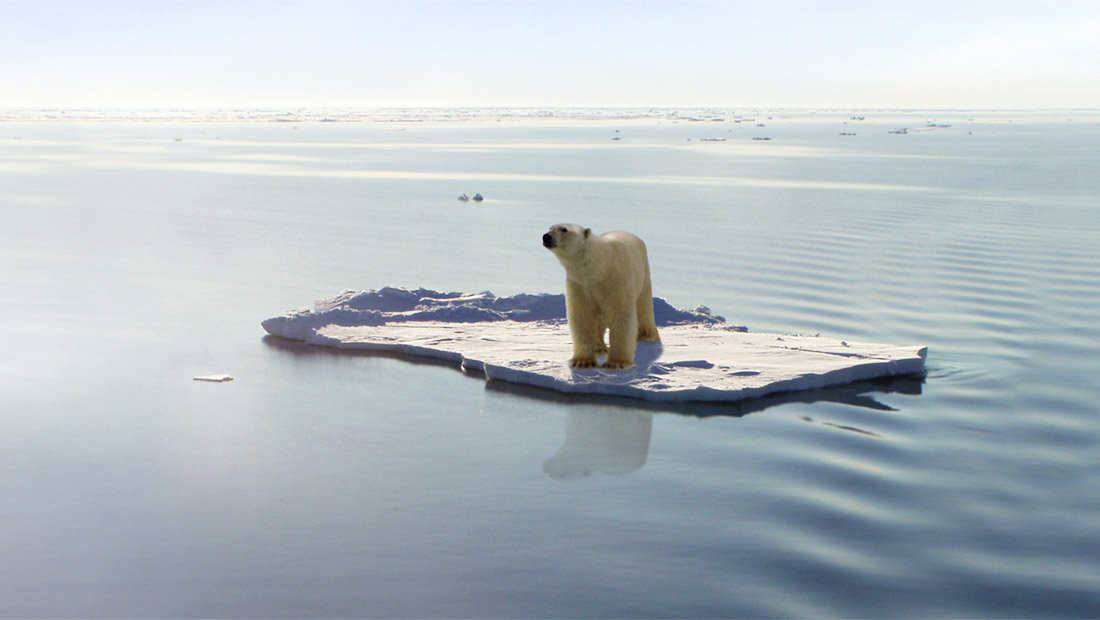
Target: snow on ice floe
[524, 339]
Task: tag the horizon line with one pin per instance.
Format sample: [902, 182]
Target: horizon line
[274, 107]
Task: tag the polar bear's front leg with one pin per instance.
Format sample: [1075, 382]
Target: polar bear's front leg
[583, 322]
[624, 339]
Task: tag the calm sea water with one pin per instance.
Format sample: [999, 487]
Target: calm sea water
[134, 256]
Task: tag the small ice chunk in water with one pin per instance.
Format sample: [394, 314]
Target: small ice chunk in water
[214, 378]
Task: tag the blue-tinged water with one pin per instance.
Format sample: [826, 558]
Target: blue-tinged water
[134, 256]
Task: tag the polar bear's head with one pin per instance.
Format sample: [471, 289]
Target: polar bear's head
[566, 239]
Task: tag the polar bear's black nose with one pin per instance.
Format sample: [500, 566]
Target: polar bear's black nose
[547, 241]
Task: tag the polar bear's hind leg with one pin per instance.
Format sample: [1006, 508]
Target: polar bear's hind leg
[601, 341]
[647, 325]
[624, 339]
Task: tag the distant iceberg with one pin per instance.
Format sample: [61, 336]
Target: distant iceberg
[525, 339]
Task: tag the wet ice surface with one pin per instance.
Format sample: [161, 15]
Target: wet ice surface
[524, 339]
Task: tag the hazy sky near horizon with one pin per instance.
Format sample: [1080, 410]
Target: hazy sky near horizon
[383, 53]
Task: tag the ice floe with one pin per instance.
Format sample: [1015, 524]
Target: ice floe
[524, 339]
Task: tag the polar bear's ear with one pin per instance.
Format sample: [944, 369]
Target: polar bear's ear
[587, 232]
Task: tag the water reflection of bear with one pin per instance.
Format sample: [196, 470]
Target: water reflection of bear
[602, 439]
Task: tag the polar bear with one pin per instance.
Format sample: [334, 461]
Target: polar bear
[607, 286]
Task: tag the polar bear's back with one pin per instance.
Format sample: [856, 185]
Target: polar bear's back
[623, 236]
[626, 247]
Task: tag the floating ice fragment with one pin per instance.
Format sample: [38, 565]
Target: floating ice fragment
[214, 378]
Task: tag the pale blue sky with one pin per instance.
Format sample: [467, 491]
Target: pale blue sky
[330, 53]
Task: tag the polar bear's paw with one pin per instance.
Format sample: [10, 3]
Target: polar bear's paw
[585, 362]
[601, 349]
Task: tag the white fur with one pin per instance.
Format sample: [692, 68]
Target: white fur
[607, 287]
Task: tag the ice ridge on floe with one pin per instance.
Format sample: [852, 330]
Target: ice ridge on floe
[351, 308]
[525, 339]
